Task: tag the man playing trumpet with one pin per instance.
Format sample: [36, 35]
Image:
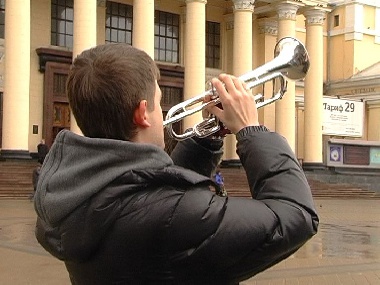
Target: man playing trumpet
[117, 209]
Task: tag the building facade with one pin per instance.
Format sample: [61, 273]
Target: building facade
[193, 41]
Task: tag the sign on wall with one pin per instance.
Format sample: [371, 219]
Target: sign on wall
[375, 155]
[342, 117]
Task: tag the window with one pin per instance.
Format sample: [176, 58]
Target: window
[212, 45]
[59, 84]
[119, 18]
[336, 20]
[171, 95]
[166, 37]
[62, 17]
[2, 18]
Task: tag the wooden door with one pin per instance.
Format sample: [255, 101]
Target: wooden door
[56, 104]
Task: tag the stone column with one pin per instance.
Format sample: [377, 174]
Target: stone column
[313, 97]
[195, 54]
[101, 22]
[228, 37]
[285, 108]
[267, 41]
[242, 43]
[143, 26]
[16, 81]
[242, 56]
[84, 35]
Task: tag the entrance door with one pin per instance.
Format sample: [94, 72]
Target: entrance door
[56, 104]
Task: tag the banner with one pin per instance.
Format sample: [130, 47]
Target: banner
[342, 117]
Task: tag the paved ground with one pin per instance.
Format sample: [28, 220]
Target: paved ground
[346, 249]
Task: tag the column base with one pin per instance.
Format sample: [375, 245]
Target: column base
[310, 166]
[231, 163]
[14, 154]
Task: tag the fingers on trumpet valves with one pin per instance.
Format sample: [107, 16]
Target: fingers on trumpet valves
[228, 83]
[211, 92]
[240, 84]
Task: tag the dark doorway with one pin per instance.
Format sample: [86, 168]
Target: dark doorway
[171, 84]
[56, 104]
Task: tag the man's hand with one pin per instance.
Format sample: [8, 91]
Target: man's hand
[239, 106]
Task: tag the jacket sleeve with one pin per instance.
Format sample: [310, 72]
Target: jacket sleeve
[199, 155]
[240, 237]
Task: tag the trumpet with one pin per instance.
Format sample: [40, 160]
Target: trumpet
[291, 62]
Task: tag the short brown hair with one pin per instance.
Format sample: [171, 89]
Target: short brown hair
[105, 85]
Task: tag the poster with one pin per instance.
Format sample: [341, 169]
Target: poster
[342, 117]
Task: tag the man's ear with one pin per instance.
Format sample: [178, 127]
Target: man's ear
[140, 117]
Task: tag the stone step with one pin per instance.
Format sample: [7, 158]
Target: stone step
[16, 179]
[16, 183]
[237, 186]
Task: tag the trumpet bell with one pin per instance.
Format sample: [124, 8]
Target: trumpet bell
[298, 65]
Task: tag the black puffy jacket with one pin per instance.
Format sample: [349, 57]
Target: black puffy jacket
[122, 213]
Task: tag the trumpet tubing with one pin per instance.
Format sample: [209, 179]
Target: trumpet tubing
[291, 62]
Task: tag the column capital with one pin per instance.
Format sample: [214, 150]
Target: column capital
[200, 1]
[229, 20]
[287, 10]
[315, 15]
[268, 26]
[101, 3]
[243, 5]
[183, 13]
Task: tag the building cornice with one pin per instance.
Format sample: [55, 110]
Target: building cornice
[373, 3]
[53, 54]
[363, 88]
[354, 82]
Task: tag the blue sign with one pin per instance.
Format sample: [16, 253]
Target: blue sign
[335, 153]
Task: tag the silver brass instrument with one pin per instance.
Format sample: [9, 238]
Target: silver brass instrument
[291, 62]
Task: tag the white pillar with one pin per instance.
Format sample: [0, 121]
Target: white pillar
[17, 77]
[84, 35]
[266, 40]
[143, 26]
[242, 44]
[242, 55]
[313, 97]
[285, 108]
[195, 54]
